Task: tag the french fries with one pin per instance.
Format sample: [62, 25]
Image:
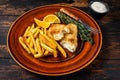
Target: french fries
[48, 42]
[47, 47]
[61, 50]
[26, 32]
[58, 46]
[23, 44]
[36, 41]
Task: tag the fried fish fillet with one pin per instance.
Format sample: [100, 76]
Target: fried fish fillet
[66, 34]
[58, 31]
[69, 41]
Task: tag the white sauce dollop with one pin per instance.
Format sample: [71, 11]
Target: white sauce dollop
[99, 7]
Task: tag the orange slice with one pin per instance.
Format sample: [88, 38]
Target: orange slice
[51, 18]
[42, 24]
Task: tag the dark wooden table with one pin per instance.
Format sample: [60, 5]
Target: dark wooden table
[105, 67]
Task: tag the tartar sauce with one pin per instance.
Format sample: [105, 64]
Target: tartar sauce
[99, 7]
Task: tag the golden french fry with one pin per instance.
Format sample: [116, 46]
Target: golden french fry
[26, 31]
[28, 45]
[41, 32]
[37, 21]
[34, 30]
[44, 40]
[45, 31]
[58, 46]
[32, 27]
[39, 47]
[43, 50]
[36, 33]
[31, 43]
[24, 45]
[32, 50]
[50, 41]
[37, 55]
[46, 52]
[47, 47]
[40, 39]
[33, 40]
[28, 40]
[50, 35]
[55, 53]
[61, 50]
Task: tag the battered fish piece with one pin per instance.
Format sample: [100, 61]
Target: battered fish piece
[58, 31]
[70, 40]
[66, 34]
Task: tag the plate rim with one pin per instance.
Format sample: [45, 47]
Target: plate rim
[55, 74]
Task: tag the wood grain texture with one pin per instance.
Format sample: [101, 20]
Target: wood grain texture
[105, 67]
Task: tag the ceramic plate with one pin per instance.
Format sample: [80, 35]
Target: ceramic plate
[84, 54]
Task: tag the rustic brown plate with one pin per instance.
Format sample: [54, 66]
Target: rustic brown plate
[78, 62]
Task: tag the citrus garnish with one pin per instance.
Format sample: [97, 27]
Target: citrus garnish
[51, 18]
[42, 24]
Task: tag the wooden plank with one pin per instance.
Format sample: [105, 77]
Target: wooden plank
[4, 52]
[110, 27]
[3, 1]
[18, 7]
[104, 64]
[5, 23]
[110, 48]
[3, 35]
[8, 9]
[9, 70]
[7, 20]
